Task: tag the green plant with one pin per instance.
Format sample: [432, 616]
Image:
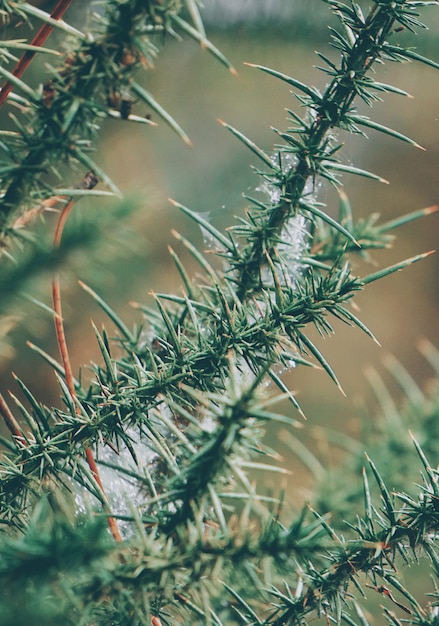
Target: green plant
[161, 447]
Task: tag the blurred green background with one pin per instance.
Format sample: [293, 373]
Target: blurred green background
[152, 164]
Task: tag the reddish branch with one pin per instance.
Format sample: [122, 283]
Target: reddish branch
[89, 182]
[39, 39]
[9, 419]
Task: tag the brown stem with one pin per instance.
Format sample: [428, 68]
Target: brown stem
[41, 36]
[62, 345]
[9, 419]
[112, 524]
[56, 299]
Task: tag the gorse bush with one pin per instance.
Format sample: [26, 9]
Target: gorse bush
[135, 500]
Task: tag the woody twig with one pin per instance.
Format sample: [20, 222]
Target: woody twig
[88, 182]
[39, 39]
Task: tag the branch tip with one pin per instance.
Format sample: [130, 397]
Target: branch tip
[340, 388]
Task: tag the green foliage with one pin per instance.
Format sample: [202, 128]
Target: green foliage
[388, 440]
[175, 415]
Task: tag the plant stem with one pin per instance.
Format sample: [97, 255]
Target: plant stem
[39, 39]
[62, 345]
[9, 419]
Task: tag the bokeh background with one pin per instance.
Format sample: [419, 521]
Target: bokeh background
[152, 164]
